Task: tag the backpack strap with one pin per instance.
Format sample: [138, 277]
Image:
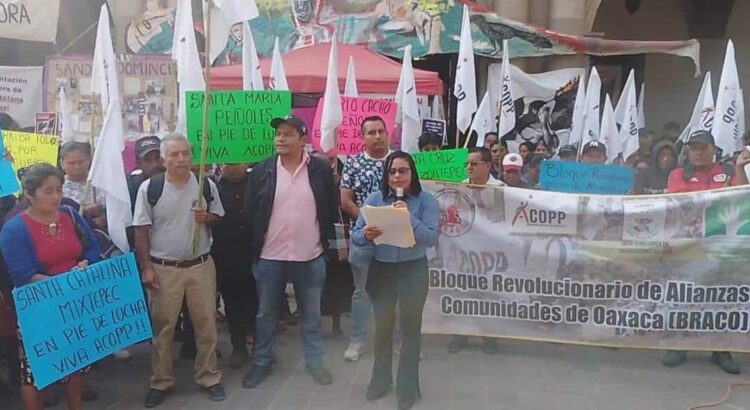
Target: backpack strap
[156, 188]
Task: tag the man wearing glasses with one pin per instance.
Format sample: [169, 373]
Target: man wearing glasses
[478, 167]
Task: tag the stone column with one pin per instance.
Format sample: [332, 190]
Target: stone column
[517, 10]
[567, 16]
[538, 16]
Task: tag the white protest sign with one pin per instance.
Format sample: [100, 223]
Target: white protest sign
[21, 93]
[32, 20]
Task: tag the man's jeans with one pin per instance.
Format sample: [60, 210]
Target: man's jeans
[308, 279]
[360, 259]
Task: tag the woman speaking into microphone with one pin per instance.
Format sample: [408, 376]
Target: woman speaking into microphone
[399, 276]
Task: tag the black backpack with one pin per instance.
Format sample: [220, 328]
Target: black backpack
[156, 188]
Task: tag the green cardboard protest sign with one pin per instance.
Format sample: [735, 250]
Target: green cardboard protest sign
[446, 165]
[239, 128]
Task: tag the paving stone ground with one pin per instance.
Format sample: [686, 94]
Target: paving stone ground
[522, 376]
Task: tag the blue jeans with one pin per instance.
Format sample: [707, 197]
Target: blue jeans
[308, 279]
[359, 259]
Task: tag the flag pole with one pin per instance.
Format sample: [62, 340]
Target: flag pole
[87, 187]
[468, 137]
[204, 140]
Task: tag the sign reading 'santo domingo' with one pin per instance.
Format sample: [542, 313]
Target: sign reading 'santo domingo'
[239, 124]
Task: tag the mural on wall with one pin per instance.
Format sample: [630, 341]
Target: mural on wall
[387, 26]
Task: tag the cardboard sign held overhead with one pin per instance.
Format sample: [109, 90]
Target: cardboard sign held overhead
[348, 134]
[239, 124]
[29, 149]
[580, 178]
[72, 320]
[8, 182]
[434, 126]
[445, 165]
[46, 123]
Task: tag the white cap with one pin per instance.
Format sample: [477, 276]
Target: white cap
[512, 161]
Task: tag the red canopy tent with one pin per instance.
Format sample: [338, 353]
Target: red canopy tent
[306, 72]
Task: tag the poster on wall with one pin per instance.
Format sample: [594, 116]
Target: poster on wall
[32, 20]
[148, 88]
[21, 93]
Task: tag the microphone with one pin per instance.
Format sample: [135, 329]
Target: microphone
[399, 194]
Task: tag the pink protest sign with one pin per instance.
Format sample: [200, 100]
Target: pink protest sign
[355, 111]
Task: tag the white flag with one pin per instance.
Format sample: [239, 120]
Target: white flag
[332, 114]
[621, 108]
[609, 135]
[506, 104]
[591, 110]
[484, 120]
[726, 122]
[437, 111]
[67, 133]
[107, 171]
[579, 106]
[252, 79]
[185, 53]
[629, 129]
[406, 98]
[351, 80]
[104, 67]
[641, 112]
[107, 174]
[465, 89]
[703, 111]
[277, 79]
[224, 14]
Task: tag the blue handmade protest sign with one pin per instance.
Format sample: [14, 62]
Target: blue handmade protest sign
[8, 181]
[72, 320]
[581, 178]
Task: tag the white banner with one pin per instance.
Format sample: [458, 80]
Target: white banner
[32, 20]
[664, 272]
[21, 93]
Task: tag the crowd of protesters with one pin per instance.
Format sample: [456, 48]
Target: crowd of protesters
[277, 222]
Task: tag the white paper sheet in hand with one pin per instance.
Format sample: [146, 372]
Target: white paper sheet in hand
[395, 224]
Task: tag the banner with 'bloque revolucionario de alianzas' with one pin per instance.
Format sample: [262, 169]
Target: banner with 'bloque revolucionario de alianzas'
[667, 272]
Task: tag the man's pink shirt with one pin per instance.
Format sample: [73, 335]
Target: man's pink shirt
[293, 231]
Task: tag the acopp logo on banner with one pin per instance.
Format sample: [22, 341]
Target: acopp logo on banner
[540, 213]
